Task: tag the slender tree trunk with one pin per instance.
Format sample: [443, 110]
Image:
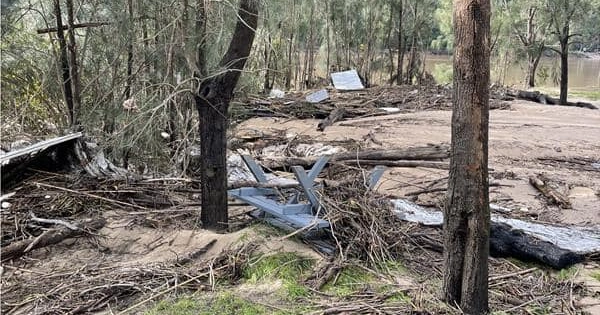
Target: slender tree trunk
[532, 64]
[466, 216]
[64, 61]
[74, 69]
[201, 38]
[564, 65]
[399, 75]
[212, 102]
[328, 39]
[131, 33]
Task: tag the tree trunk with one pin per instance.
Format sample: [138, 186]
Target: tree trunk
[564, 65]
[131, 33]
[212, 102]
[467, 216]
[74, 69]
[400, 46]
[532, 65]
[64, 61]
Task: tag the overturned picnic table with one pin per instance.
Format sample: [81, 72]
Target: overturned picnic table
[293, 212]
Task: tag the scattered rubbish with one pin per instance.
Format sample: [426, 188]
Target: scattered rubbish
[276, 93]
[347, 80]
[317, 96]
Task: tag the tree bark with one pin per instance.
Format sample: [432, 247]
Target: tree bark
[467, 216]
[212, 102]
[64, 61]
[564, 65]
[400, 46]
[74, 68]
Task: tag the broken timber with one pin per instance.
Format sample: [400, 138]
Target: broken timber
[554, 196]
[555, 246]
[49, 237]
[423, 153]
[541, 98]
[15, 162]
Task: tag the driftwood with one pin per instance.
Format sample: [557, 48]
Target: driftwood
[425, 153]
[555, 246]
[49, 237]
[508, 242]
[541, 98]
[335, 115]
[554, 196]
[400, 163]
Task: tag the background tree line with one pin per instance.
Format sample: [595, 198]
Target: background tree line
[136, 62]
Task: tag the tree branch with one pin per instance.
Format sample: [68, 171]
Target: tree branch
[66, 27]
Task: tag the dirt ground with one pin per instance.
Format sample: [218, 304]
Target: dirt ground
[526, 140]
[518, 139]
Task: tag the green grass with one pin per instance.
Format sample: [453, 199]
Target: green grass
[186, 305]
[442, 73]
[566, 273]
[225, 303]
[350, 280]
[590, 95]
[290, 268]
[596, 275]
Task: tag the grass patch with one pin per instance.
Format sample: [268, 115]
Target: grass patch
[596, 275]
[348, 281]
[186, 305]
[290, 268]
[566, 273]
[224, 304]
[442, 73]
[590, 95]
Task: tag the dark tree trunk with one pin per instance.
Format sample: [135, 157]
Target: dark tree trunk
[74, 68]
[64, 62]
[212, 102]
[400, 40]
[201, 37]
[564, 65]
[467, 216]
[532, 65]
[130, 51]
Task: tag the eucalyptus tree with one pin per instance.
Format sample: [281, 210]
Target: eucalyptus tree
[212, 101]
[566, 17]
[467, 213]
[528, 25]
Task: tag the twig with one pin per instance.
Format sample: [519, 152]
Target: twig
[90, 195]
[509, 275]
[127, 310]
[68, 225]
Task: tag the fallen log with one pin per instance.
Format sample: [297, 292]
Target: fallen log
[335, 115]
[401, 163]
[554, 196]
[541, 98]
[424, 153]
[49, 237]
[555, 246]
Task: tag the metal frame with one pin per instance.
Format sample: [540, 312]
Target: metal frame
[299, 215]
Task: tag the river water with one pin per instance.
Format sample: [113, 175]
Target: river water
[584, 73]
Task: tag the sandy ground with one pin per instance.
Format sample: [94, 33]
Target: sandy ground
[518, 138]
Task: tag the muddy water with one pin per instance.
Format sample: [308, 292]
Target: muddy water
[584, 73]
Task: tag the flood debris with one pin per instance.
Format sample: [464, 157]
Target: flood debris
[542, 184]
[347, 80]
[538, 97]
